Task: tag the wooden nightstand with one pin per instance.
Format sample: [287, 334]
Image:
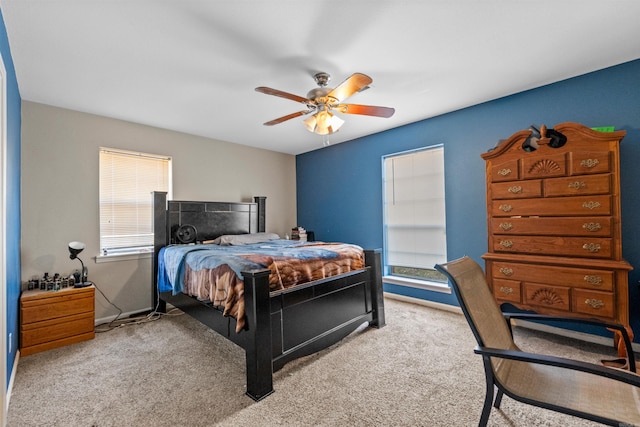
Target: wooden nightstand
[50, 319]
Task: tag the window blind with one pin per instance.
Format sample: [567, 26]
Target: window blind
[126, 182]
[414, 207]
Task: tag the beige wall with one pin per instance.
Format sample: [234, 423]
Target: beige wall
[60, 191]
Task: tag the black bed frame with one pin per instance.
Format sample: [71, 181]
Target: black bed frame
[283, 325]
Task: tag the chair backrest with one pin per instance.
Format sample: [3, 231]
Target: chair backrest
[477, 303]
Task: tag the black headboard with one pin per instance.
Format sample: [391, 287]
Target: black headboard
[208, 219]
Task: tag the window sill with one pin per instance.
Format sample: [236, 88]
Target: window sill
[419, 284]
[123, 256]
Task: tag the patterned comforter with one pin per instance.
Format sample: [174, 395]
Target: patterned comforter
[214, 273]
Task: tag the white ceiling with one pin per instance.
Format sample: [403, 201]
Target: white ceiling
[192, 66]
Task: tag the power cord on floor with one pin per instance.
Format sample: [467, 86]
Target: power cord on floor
[116, 322]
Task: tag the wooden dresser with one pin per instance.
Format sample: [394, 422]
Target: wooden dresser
[554, 224]
[50, 319]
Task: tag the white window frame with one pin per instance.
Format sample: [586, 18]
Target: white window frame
[434, 226]
[119, 254]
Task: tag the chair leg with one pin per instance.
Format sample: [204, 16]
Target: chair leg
[488, 398]
[486, 409]
[498, 401]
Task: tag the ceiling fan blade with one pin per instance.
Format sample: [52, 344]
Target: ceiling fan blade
[287, 117]
[355, 83]
[365, 110]
[276, 92]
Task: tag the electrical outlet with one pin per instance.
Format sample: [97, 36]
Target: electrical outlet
[10, 341]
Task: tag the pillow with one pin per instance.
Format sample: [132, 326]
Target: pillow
[244, 239]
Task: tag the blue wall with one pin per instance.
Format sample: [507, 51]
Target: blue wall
[339, 188]
[12, 252]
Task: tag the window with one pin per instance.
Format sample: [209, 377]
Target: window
[126, 182]
[414, 216]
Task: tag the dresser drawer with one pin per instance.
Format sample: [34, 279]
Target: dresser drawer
[553, 206]
[517, 189]
[507, 290]
[593, 302]
[576, 185]
[587, 162]
[507, 171]
[553, 226]
[553, 297]
[563, 276]
[597, 247]
[544, 167]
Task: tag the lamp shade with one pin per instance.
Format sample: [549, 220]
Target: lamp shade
[75, 248]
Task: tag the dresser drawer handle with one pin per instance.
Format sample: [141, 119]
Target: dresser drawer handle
[506, 226]
[593, 280]
[515, 189]
[505, 208]
[578, 185]
[590, 163]
[505, 290]
[594, 303]
[504, 172]
[506, 271]
[506, 243]
[592, 226]
[591, 247]
[591, 205]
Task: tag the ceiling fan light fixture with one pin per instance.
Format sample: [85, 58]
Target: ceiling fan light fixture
[323, 99]
[323, 123]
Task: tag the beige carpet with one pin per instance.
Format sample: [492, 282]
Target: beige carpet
[419, 370]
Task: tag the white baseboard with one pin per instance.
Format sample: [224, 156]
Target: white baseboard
[596, 339]
[424, 302]
[121, 316]
[12, 379]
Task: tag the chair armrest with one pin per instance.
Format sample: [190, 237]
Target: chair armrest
[593, 322]
[561, 362]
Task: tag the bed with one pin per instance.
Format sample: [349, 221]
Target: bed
[277, 325]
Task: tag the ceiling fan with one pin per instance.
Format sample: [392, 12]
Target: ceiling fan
[323, 101]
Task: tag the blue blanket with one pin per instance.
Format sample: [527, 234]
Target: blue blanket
[172, 260]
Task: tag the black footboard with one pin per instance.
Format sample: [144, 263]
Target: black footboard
[312, 317]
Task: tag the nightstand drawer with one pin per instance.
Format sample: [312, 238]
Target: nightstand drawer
[52, 330]
[52, 308]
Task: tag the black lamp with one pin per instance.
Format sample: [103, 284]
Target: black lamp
[74, 249]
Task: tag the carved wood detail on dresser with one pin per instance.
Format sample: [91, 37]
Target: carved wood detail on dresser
[554, 228]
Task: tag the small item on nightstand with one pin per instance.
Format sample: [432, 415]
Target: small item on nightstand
[299, 233]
